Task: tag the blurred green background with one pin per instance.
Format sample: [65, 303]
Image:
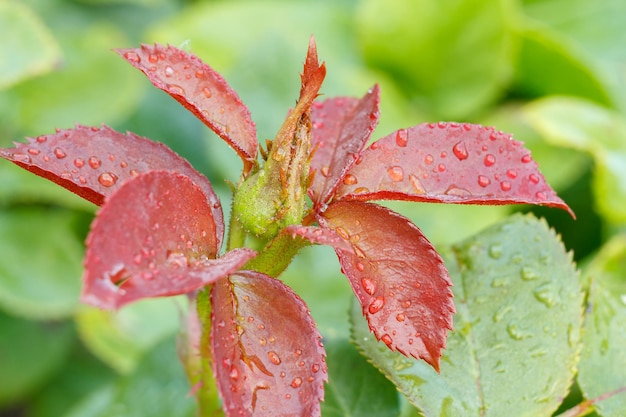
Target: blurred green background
[552, 72]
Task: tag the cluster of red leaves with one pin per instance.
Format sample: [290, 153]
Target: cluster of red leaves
[160, 227]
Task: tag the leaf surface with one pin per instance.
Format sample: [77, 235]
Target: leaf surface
[94, 161]
[153, 237]
[201, 90]
[517, 330]
[604, 337]
[266, 348]
[449, 163]
[397, 276]
[341, 128]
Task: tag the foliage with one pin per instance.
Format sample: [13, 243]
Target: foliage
[532, 51]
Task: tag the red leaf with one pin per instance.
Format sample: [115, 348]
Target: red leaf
[398, 277]
[268, 353]
[449, 163]
[154, 237]
[318, 236]
[341, 128]
[93, 162]
[201, 90]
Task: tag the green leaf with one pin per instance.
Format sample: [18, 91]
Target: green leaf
[428, 45]
[30, 353]
[580, 124]
[40, 266]
[355, 388]
[595, 30]
[516, 340]
[158, 388]
[603, 355]
[28, 48]
[550, 65]
[92, 87]
[122, 338]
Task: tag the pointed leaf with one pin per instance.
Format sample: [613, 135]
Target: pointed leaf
[267, 350]
[201, 90]
[449, 163]
[398, 277]
[341, 128]
[517, 331]
[153, 237]
[93, 162]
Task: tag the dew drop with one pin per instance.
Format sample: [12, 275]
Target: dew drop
[441, 168]
[315, 368]
[42, 138]
[540, 195]
[169, 71]
[406, 303]
[376, 305]
[79, 162]
[490, 160]
[428, 159]
[526, 158]
[387, 339]
[495, 251]
[402, 138]
[82, 180]
[515, 332]
[460, 151]
[59, 153]
[274, 358]
[400, 317]
[545, 295]
[297, 353]
[107, 179]
[533, 178]
[396, 173]
[505, 186]
[207, 92]
[94, 162]
[349, 179]
[528, 274]
[368, 285]
[360, 267]
[483, 181]
[132, 56]
[297, 382]
[417, 185]
[34, 151]
[234, 374]
[511, 173]
[154, 58]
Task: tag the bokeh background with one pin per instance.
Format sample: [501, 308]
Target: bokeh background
[552, 72]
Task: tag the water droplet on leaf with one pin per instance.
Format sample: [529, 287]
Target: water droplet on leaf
[460, 151]
[490, 160]
[402, 138]
[94, 162]
[483, 181]
[349, 179]
[107, 179]
[368, 285]
[396, 173]
[528, 274]
[169, 71]
[376, 305]
[274, 358]
[59, 153]
[495, 251]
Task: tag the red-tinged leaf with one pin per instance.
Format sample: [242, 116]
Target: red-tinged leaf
[397, 276]
[449, 163]
[153, 237]
[94, 161]
[318, 236]
[341, 128]
[201, 90]
[269, 358]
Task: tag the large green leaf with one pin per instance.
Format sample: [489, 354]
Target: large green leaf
[580, 124]
[122, 338]
[355, 388]
[603, 358]
[30, 353]
[516, 340]
[456, 54]
[40, 262]
[157, 388]
[595, 31]
[27, 47]
[92, 87]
